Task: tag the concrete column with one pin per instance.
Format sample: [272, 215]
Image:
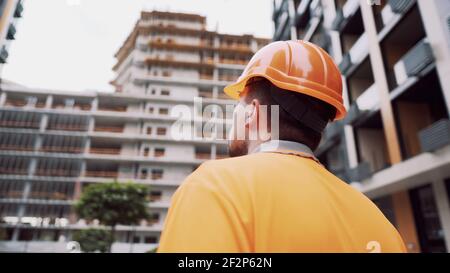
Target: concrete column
[49, 102]
[292, 12]
[91, 124]
[38, 143]
[376, 59]
[213, 151]
[87, 146]
[404, 218]
[443, 207]
[3, 96]
[44, 123]
[94, 104]
[215, 92]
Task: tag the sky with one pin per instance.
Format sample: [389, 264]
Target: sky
[70, 44]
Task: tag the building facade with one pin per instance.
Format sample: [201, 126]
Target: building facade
[394, 56]
[55, 143]
[10, 11]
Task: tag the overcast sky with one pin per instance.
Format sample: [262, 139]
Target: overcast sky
[70, 44]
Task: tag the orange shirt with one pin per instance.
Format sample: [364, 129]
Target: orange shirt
[273, 202]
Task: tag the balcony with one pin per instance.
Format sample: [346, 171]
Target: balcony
[402, 44]
[435, 136]
[416, 109]
[371, 143]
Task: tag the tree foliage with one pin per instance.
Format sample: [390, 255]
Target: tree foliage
[92, 240]
[114, 203]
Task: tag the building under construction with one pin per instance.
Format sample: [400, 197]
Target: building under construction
[394, 56]
[55, 143]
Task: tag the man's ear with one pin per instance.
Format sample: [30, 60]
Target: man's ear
[252, 114]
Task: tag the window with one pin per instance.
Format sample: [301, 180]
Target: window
[163, 111]
[161, 131]
[165, 92]
[150, 240]
[146, 151]
[149, 130]
[153, 90]
[136, 239]
[159, 152]
[144, 174]
[150, 110]
[166, 73]
[426, 215]
[157, 174]
[155, 195]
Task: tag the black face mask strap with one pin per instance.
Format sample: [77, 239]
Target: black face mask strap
[298, 109]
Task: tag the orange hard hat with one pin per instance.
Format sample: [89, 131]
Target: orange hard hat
[297, 66]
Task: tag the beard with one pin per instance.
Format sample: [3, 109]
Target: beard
[237, 148]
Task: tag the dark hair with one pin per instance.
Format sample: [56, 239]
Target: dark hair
[290, 129]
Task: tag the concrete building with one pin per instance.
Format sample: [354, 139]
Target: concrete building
[394, 145]
[10, 11]
[54, 143]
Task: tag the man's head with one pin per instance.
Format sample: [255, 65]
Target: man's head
[260, 112]
[300, 78]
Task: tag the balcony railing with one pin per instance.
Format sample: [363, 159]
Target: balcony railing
[360, 172]
[19, 124]
[56, 172]
[18, 171]
[354, 114]
[106, 151]
[205, 77]
[11, 147]
[19, 9]
[49, 195]
[113, 108]
[108, 129]
[303, 13]
[11, 34]
[435, 136]
[418, 58]
[3, 54]
[67, 127]
[338, 22]
[61, 149]
[345, 64]
[203, 155]
[220, 156]
[15, 102]
[400, 6]
[108, 174]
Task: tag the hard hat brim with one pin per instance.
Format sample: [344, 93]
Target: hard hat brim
[289, 83]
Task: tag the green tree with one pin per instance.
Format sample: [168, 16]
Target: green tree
[114, 203]
[92, 239]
